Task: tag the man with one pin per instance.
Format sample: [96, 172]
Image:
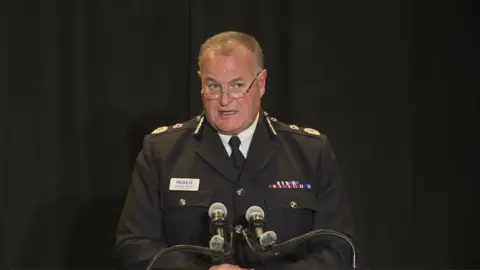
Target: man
[236, 154]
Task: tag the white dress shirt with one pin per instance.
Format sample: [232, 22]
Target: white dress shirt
[244, 136]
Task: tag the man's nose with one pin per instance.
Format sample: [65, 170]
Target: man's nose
[225, 98]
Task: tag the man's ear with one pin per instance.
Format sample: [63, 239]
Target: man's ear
[263, 81]
[199, 74]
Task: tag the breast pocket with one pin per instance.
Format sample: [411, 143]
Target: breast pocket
[290, 213]
[186, 218]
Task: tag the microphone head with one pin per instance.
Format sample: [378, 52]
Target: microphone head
[267, 239]
[217, 207]
[216, 243]
[254, 210]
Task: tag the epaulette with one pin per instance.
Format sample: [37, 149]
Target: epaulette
[190, 124]
[280, 126]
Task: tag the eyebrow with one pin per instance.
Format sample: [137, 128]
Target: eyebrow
[208, 78]
[236, 79]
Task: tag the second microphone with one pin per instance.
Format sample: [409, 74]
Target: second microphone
[256, 219]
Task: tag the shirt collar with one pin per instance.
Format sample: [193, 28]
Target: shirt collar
[244, 136]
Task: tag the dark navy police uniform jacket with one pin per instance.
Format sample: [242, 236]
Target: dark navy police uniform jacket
[155, 216]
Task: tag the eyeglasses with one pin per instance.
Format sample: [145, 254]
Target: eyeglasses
[236, 90]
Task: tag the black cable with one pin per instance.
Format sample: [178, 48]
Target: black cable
[292, 243]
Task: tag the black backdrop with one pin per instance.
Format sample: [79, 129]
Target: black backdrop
[394, 84]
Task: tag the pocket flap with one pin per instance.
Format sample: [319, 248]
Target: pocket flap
[301, 199]
[201, 198]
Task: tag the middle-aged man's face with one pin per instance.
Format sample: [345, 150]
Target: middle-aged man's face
[227, 115]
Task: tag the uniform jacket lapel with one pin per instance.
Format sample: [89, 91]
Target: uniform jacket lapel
[262, 148]
[211, 149]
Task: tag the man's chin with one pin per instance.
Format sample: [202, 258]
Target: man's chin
[227, 129]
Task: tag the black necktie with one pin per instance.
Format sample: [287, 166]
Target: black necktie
[237, 157]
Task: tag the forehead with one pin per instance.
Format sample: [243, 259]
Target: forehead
[235, 62]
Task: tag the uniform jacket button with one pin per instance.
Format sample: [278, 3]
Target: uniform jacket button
[240, 192]
[293, 204]
[182, 202]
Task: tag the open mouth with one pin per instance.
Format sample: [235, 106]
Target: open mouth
[228, 112]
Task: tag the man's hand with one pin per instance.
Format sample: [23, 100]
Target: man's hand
[226, 266]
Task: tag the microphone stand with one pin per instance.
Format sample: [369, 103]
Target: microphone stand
[294, 242]
[218, 257]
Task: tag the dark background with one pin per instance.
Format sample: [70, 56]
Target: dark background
[394, 84]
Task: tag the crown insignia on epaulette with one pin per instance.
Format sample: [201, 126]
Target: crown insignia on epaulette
[294, 127]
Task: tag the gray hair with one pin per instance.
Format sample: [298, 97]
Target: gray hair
[225, 42]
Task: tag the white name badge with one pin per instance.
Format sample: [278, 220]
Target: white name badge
[184, 184]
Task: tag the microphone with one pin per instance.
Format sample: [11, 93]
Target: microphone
[217, 213]
[216, 243]
[267, 239]
[256, 218]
